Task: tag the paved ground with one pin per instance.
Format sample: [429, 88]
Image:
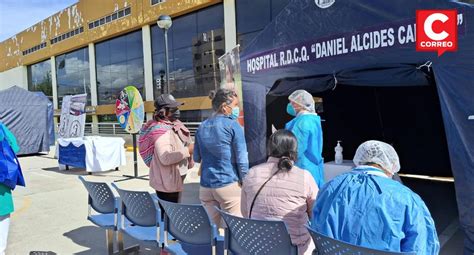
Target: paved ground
[51, 211]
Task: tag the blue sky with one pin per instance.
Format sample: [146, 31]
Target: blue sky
[17, 15]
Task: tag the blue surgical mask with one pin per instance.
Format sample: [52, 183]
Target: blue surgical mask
[290, 110]
[235, 113]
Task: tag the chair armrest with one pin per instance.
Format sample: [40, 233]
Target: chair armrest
[89, 205]
[117, 206]
[215, 234]
[117, 212]
[154, 196]
[160, 227]
[155, 199]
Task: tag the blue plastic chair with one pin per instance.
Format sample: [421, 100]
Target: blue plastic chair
[328, 246]
[140, 217]
[103, 202]
[248, 236]
[191, 226]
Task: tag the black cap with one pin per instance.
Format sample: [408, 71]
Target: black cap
[166, 100]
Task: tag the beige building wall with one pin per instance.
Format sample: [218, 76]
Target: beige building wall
[14, 77]
[80, 15]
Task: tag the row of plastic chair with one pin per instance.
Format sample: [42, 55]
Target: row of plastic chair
[187, 229]
[137, 214]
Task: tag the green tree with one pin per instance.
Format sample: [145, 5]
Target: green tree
[46, 85]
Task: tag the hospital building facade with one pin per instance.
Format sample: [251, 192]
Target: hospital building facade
[99, 48]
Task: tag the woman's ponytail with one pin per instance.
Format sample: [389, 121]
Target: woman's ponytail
[285, 164]
[284, 146]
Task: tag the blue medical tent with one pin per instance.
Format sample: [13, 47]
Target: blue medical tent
[52, 138]
[333, 47]
[29, 116]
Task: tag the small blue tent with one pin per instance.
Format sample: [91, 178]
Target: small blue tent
[50, 120]
[318, 45]
[29, 116]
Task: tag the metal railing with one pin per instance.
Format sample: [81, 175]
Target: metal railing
[88, 128]
[115, 129]
[109, 129]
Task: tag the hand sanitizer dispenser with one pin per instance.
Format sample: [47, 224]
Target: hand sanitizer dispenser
[338, 158]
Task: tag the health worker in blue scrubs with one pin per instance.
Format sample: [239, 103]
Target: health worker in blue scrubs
[365, 207]
[306, 126]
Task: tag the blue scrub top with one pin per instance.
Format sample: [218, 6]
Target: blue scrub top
[307, 129]
[375, 212]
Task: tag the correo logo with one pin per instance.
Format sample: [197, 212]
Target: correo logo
[436, 30]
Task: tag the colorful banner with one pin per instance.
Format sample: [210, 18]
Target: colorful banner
[73, 116]
[130, 109]
[229, 65]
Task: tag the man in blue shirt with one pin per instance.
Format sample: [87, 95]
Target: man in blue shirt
[367, 208]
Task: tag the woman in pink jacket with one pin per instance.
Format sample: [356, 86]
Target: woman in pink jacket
[165, 147]
[278, 190]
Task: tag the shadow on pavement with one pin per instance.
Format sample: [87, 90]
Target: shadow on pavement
[93, 238]
[40, 154]
[81, 171]
[71, 171]
[46, 156]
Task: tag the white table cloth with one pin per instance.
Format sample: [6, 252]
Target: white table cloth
[102, 153]
[331, 169]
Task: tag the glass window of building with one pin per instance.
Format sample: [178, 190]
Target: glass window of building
[253, 16]
[39, 78]
[119, 63]
[72, 74]
[195, 42]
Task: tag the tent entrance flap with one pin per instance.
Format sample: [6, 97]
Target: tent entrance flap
[409, 118]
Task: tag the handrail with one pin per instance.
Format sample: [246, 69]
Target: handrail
[110, 128]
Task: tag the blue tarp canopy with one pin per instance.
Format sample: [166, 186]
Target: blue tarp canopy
[50, 118]
[29, 116]
[365, 43]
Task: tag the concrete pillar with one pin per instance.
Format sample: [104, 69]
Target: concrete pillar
[24, 77]
[148, 64]
[230, 26]
[54, 82]
[93, 80]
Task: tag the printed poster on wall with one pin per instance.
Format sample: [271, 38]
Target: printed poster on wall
[73, 116]
[229, 66]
